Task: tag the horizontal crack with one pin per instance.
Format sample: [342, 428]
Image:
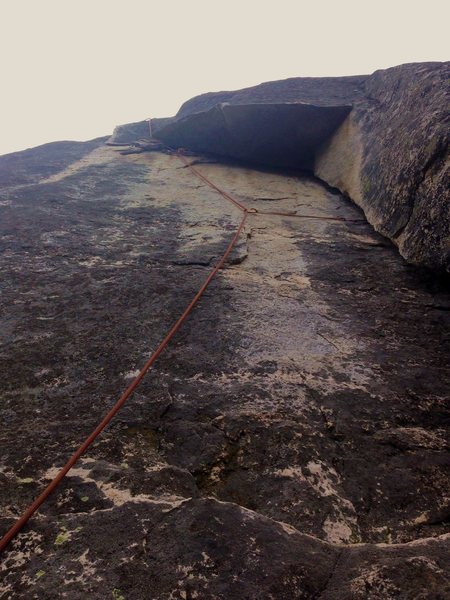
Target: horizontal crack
[188, 263]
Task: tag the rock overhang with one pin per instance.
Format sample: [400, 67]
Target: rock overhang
[279, 134]
[381, 139]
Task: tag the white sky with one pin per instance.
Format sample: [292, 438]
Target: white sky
[73, 69]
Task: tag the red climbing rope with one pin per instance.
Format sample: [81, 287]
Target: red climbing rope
[150, 128]
[118, 405]
[210, 183]
[19, 524]
[179, 154]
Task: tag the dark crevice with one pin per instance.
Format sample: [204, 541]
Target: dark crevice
[192, 263]
[331, 575]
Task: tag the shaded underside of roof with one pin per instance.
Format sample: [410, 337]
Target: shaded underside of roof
[278, 134]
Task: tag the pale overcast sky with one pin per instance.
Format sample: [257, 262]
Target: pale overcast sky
[73, 69]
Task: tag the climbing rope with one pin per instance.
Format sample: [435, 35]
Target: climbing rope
[19, 524]
[149, 121]
[183, 159]
[254, 211]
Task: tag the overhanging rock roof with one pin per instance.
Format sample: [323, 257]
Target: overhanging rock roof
[278, 134]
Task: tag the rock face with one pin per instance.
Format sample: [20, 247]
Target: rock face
[34, 164]
[390, 155]
[291, 443]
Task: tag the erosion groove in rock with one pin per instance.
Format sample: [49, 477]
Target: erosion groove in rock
[291, 443]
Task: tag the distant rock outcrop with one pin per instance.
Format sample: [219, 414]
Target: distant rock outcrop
[381, 139]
